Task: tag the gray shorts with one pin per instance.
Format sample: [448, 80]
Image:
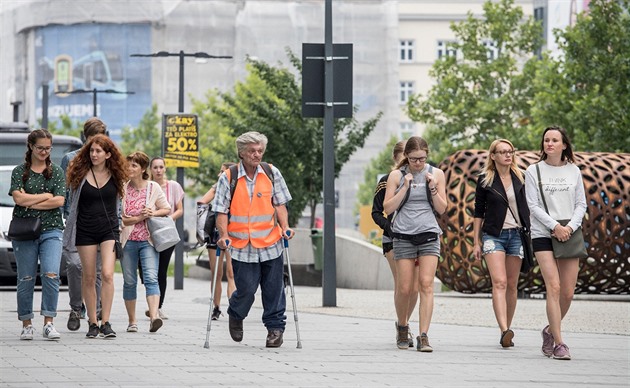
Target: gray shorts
[404, 249]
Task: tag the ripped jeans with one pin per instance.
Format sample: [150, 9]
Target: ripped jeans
[47, 250]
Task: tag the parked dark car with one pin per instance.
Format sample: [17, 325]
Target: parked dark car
[12, 148]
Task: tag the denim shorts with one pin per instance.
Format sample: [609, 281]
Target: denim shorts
[404, 249]
[509, 242]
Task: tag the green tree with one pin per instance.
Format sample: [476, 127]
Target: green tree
[480, 93]
[269, 101]
[146, 137]
[380, 164]
[65, 126]
[587, 88]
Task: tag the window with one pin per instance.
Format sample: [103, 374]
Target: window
[406, 130]
[492, 49]
[406, 51]
[445, 49]
[406, 90]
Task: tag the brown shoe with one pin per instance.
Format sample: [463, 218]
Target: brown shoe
[236, 329]
[274, 338]
[506, 338]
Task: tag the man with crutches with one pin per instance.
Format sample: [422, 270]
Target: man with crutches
[255, 196]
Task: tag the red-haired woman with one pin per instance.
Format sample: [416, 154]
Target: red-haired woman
[96, 177]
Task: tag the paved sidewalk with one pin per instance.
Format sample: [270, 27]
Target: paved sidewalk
[347, 346]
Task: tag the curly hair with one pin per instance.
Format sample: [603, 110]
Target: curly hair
[31, 140]
[82, 163]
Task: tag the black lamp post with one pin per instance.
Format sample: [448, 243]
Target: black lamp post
[179, 248]
[94, 92]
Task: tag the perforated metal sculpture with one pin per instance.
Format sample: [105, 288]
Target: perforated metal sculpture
[606, 225]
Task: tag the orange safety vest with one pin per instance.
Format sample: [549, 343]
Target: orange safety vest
[253, 221]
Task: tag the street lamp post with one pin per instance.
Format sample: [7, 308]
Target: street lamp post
[179, 223]
[94, 92]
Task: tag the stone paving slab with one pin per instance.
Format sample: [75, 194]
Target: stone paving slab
[347, 346]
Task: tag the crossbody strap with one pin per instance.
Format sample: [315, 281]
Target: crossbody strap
[541, 189]
[508, 205]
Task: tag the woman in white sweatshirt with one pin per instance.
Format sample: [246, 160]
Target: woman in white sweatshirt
[563, 190]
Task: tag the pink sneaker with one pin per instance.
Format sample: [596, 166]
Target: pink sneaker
[547, 345]
[561, 352]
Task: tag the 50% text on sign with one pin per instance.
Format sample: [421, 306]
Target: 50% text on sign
[181, 140]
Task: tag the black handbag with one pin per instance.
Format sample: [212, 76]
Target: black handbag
[25, 229]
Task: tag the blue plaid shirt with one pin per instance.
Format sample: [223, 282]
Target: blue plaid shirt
[221, 204]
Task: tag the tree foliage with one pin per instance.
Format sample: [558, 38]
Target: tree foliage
[269, 101]
[587, 89]
[479, 96]
[382, 163]
[65, 126]
[146, 137]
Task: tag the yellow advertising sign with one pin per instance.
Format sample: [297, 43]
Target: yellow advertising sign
[181, 140]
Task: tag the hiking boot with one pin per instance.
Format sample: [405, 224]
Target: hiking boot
[92, 331]
[27, 333]
[236, 329]
[155, 325]
[106, 330]
[274, 338]
[402, 339]
[74, 320]
[547, 345]
[561, 352]
[216, 313]
[423, 343]
[506, 339]
[50, 332]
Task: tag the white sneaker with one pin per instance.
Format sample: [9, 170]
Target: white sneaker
[50, 332]
[162, 315]
[27, 333]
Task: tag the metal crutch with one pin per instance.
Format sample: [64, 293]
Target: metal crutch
[295, 316]
[214, 286]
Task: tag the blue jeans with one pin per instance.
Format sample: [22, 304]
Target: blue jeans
[509, 241]
[148, 256]
[46, 250]
[269, 274]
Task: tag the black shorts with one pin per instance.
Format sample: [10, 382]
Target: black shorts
[387, 247]
[542, 244]
[211, 242]
[94, 237]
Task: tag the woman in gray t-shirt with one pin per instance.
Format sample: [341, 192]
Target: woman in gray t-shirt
[420, 189]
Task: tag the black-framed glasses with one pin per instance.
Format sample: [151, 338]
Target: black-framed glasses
[416, 160]
[42, 149]
[504, 153]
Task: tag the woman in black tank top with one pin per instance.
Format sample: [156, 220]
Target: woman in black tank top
[96, 176]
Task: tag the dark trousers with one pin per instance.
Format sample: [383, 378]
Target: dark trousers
[267, 274]
[164, 261]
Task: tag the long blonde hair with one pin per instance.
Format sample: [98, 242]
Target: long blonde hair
[489, 169]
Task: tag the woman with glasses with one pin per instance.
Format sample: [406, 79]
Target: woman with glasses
[96, 177]
[415, 190]
[500, 209]
[384, 222]
[38, 189]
